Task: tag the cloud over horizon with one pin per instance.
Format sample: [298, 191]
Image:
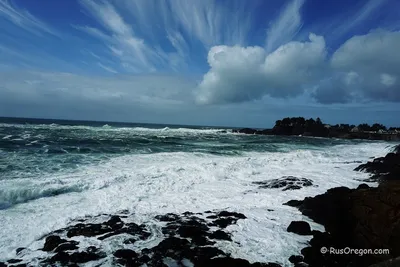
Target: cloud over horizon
[208, 54]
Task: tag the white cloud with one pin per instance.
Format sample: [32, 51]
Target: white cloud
[240, 74]
[372, 61]
[286, 26]
[107, 68]
[388, 80]
[365, 67]
[137, 32]
[49, 87]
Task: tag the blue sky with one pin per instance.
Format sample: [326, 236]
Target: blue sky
[222, 62]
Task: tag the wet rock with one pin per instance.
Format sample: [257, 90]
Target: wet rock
[91, 254]
[188, 239]
[383, 168]
[362, 218]
[294, 203]
[245, 131]
[220, 235]
[127, 257]
[169, 217]
[125, 253]
[300, 228]
[225, 222]
[69, 245]
[130, 229]
[296, 259]
[19, 250]
[52, 242]
[231, 214]
[363, 186]
[286, 183]
[13, 261]
[88, 230]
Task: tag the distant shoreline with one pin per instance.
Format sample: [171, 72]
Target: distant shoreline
[315, 128]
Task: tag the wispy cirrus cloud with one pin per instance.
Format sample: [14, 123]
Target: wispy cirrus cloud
[286, 25]
[157, 35]
[121, 35]
[22, 18]
[368, 11]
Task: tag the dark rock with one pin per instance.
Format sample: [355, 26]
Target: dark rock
[221, 235]
[191, 231]
[231, 214]
[82, 257]
[13, 261]
[187, 237]
[363, 186]
[222, 262]
[286, 182]
[70, 245]
[246, 131]
[2, 264]
[363, 218]
[294, 203]
[88, 230]
[299, 227]
[383, 168]
[296, 258]
[91, 254]
[18, 250]
[115, 222]
[127, 254]
[52, 242]
[169, 217]
[225, 222]
[171, 243]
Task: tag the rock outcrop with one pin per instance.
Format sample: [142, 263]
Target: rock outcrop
[366, 218]
[286, 183]
[188, 239]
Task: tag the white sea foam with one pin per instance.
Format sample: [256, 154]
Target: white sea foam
[150, 184]
[6, 137]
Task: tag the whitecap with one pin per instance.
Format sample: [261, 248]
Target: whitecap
[7, 137]
[149, 184]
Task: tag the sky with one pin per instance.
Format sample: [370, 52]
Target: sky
[201, 62]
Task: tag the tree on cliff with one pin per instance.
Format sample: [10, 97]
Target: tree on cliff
[376, 127]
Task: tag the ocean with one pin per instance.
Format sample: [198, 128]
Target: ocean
[52, 172]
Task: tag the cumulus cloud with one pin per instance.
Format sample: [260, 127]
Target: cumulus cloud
[240, 74]
[364, 67]
[367, 66]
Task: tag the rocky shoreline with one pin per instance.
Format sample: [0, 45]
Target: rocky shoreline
[362, 218]
[299, 126]
[366, 218]
[346, 135]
